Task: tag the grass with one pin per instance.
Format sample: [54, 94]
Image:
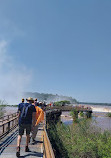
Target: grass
[108, 114]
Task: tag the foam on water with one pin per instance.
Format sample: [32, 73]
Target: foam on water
[101, 108]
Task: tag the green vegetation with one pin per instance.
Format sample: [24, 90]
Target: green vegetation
[80, 140]
[81, 114]
[3, 103]
[49, 97]
[12, 105]
[62, 103]
[74, 114]
[55, 97]
[108, 114]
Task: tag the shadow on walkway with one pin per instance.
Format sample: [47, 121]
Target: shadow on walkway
[36, 154]
[8, 140]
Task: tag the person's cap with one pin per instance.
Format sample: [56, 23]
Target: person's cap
[30, 99]
[35, 99]
[22, 99]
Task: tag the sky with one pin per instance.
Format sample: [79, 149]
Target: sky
[61, 47]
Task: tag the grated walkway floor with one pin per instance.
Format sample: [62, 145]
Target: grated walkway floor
[8, 145]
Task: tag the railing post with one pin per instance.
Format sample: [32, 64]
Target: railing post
[17, 121]
[12, 123]
[8, 126]
[3, 129]
[7, 117]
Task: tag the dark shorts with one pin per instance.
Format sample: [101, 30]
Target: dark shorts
[23, 127]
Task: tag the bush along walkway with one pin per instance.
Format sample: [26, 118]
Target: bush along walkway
[80, 140]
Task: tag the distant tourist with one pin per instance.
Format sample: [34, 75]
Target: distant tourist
[22, 103]
[40, 105]
[27, 116]
[50, 104]
[43, 106]
[39, 117]
[36, 103]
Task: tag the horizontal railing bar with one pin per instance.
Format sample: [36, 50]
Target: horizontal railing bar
[48, 151]
[6, 132]
[47, 145]
[9, 121]
[13, 115]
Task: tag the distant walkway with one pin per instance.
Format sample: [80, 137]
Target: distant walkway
[8, 145]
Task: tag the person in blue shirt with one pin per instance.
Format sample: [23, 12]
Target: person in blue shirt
[26, 112]
[21, 104]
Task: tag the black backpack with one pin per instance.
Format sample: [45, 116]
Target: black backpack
[25, 112]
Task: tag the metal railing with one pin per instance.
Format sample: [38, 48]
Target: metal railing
[70, 108]
[7, 123]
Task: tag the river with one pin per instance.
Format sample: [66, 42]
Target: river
[9, 110]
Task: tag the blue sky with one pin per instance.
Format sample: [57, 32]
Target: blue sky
[60, 46]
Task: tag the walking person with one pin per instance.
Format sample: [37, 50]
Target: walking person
[36, 103]
[20, 104]
[27, 115]
[39, 117]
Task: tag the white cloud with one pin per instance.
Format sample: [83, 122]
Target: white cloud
[14, 79]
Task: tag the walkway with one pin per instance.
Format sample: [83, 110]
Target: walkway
[8, 145]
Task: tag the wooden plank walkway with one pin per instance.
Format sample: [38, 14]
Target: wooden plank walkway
[8, 145]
